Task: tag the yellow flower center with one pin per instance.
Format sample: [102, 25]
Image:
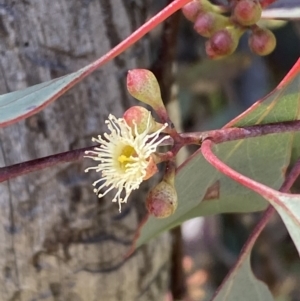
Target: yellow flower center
[126, 156]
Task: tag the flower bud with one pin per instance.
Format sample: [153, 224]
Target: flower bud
[247, 12]
[262, 41]
[196, 7]
[140, 119]
[191, 10]
[224, 42]
[143, 85]
[162, 200]
[207, 24]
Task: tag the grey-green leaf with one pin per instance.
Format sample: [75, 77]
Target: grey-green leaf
[242, 285]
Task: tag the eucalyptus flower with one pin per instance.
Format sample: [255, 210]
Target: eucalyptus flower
[125, 158]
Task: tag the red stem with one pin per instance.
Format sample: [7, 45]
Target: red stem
[136, 35]
[286, 186]
[268, 193]
[261, 189]
[292, 73]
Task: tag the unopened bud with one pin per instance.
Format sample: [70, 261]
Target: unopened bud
[262, 41]
[191, 10]
[140, 119]
[247, 12]
[162, 200]
[143, 85]
[224, 42]
[207, 24]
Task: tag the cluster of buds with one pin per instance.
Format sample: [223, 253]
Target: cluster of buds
[128, 155]
[224, 31]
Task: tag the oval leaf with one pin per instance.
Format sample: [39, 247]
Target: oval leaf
[20, 104]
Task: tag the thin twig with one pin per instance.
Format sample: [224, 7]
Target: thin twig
[237, 133]
[26, 167]
[217, 136]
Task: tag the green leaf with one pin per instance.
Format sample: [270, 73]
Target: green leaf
[20, 104]
[202, 190]
[288, 207]
[241, 284]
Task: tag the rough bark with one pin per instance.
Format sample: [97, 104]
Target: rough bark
[58, 241]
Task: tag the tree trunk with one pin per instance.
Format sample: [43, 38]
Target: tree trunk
[58, 241]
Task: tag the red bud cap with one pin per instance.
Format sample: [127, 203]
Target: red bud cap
[191, 10]
[196, 7]
[262, 41]
[140, 118]
[224, 42]
[143, 85]
[162, 200]
[247, 12]
[207, 24]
